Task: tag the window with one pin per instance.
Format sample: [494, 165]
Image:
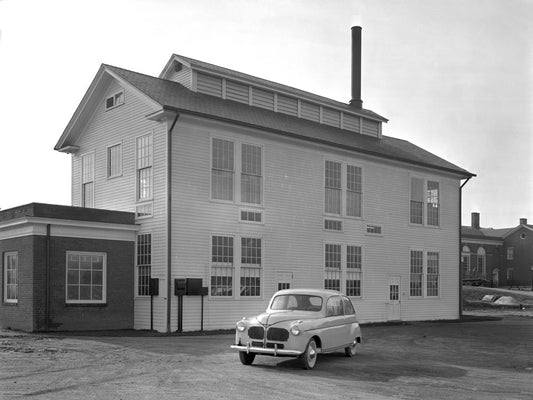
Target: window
[222, 266]
[417, 200]
[510, 253]
[332, 225]
[353, 271]
[373, 229]
[334, 306]
[250, 267]
[144, 264]
[251, 178]
[222, 170]
[417, 271]
[354, 195]
[332, 279]
[333, 190]
[11, 267]
[431, 201]
[510, 272]
[251, 216]
[87, 180]
[86, 277]
[114, 161]
[145, 150]
[465, 261]
[481, 257]
[144, 210]
[433, 274]
[115, 100]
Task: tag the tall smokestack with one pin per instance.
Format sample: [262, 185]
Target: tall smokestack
[356, 101]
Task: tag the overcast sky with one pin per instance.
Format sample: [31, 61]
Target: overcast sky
[452, 76]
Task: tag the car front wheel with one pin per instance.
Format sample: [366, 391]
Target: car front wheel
[351, 350]
[309, 357]
[246, 358]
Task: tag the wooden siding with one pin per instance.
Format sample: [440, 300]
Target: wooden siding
[310, 111]
[351, 122]
[331, 117]
[123, 125]
[183, 76]
[262, 98]
[237, 92]
[370, 127]
[292, 234]
[208, 84]
[287, 105]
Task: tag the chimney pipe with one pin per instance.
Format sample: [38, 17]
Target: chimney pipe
[475, 220]
[523, 221]
[356, 101]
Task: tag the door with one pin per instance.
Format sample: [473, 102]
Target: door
[394, 302]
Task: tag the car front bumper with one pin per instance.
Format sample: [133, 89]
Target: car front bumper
[267, 351]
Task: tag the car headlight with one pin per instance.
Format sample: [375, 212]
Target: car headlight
[295, 330]
[241, 326]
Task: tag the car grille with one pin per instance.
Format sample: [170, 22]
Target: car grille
[278, 334]
[256, 332]
[269, 345]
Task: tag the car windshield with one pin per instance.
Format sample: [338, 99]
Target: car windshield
[301, 302]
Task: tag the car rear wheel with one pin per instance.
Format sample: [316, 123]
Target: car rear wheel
[351, 350]
[309, 357]
[246, 358]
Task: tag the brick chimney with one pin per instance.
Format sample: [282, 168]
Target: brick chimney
[523, 221]
[475, 220]
[356, 101]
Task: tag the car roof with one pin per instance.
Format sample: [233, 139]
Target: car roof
[312, 292]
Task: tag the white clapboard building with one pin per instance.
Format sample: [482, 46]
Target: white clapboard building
[252, 186]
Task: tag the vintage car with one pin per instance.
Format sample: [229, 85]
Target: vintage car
[300, 323]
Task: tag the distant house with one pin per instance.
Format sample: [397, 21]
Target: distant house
[66, 268]
[244, 186]
[502, 256]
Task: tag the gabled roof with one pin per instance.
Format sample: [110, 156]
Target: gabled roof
[278, 87]
[483, 233]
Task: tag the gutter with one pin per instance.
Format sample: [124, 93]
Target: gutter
[460, 269]
[169, 219]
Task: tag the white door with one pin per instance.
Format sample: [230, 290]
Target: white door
[394, 299]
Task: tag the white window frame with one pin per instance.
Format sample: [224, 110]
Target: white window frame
[8, 256]
[357, 271]
[110, 164]
[87, 178]
[245, 267]
[434, 275]
[245, 221]
[342, 189]
[421, 274]
[223, 266]
[148, 166]
[232, 173]
[425, 201]
[243, 174]
[103, 300]
[118, 100]
[425, 293]
[142, 289]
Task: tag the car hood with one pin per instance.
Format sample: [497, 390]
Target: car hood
[284, 316]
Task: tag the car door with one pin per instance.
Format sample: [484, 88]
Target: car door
[350, 319]
[334, 334]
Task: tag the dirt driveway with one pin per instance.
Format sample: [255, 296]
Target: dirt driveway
[480, 358]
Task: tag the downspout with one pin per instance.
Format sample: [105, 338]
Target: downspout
[47, 280]
[460, 244]
[169, 218]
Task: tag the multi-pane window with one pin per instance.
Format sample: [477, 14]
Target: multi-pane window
[416, 273]
[417, 200]
[222, 266]
[87, 180]
[86, 277]
[251, 175]
[433, 200]
[510, 253]
[222, 169]
[114, 100]
[250, 267]
[465, 261]
[332, 278]
[480, 265]
[145, 159]
[432, 273]
[144, 263]
[333, 188]
[424, 194]
[353, 271]
[11, 277]
[114, 161]
[354, 191]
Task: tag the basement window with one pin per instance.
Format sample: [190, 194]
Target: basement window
[115, 100]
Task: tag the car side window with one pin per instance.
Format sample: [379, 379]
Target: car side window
[348, 306]
[334, 306]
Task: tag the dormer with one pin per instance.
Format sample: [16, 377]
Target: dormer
[231, 85]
